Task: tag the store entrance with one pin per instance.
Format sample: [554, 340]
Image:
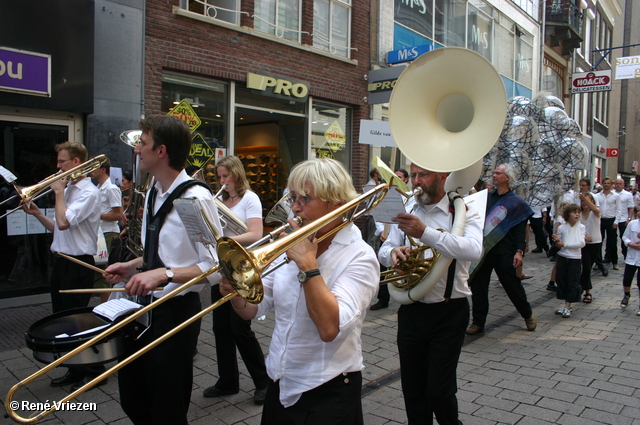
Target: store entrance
[28, 151]
[268, 143]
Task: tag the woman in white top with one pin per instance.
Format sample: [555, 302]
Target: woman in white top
[229, 329]
[590, 217]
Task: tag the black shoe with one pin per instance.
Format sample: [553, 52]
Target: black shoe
[260, 395]
[71, 377]
[218, 392]
[604, 271]
[86, 379]
[537, 251]
[379, 306]
[551, 287]
[552, 258]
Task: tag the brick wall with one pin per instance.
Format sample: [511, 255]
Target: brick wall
[199, 48]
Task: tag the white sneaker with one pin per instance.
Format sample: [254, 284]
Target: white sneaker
[566, 312]
[638, 313]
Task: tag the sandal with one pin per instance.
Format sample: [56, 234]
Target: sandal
[525, 276]
[587, 298]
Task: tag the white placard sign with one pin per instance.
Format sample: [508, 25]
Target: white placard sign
[376, 133]
[17, 223]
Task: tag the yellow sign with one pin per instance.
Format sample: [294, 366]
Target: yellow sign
[200, 152]
[186, 113]
[335, 137]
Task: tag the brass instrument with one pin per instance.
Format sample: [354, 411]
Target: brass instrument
[29, 194]
[242, 267]
[141, 185]
[444, 125]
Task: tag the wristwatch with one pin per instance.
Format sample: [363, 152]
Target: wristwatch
[520, 251]
[304, 276]
[169, 273]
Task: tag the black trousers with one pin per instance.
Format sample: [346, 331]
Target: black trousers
[589, 255]
[69, 275]
[511, 283]
[568, 279]
[622, 226]
[430, 338]
[155, 389]
[611, 235]
[232, 331]
[538, 232]
[629, 272]
[337, 402]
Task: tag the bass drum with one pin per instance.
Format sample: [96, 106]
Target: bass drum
[54, 336]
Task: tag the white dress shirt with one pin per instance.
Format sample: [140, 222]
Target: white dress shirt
[83, 215]
[609, 204]
[297, 356]
[626, 202]
[464, 249]
[632, 234]
[110, 197]
[176, 249]
[592, 227]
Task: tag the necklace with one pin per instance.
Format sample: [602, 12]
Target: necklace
[233, 197]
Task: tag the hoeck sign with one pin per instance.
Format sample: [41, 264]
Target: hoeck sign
[586, 82]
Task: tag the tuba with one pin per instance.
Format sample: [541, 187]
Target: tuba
[141, 184]
[446, 112]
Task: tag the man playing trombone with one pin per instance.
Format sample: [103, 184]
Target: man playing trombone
[75, 233]
[320, 300]
[156, 387]
[431, 330]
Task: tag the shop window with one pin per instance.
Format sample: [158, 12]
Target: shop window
[223, 10]
[208, 101]
[332, 26]
[524, 59]
[450, 19]
[330, 132]
[504, 57]
[552, 82]
[480, 32]
[280, 18]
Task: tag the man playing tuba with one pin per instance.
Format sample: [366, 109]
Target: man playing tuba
[431, 330]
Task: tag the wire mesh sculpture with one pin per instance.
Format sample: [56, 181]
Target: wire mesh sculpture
[543, 144]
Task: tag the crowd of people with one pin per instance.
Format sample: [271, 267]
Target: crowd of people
[312, 374]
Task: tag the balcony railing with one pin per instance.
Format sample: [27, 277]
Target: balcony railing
[564, 13]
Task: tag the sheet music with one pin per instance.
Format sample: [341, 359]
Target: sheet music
[389, 207]
[8, 175]
[190, 211]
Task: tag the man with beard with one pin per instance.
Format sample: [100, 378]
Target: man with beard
[431, 331]
[504, 244]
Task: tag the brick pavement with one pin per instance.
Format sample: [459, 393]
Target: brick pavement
[582, 370]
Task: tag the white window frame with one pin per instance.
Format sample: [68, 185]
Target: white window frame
[279, 31]
[332, 47]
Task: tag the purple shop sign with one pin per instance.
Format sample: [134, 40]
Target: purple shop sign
[25, 72]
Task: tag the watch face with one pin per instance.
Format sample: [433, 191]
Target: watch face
[169, 273]
[302, 277]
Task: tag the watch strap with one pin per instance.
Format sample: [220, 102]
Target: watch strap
[311, 273]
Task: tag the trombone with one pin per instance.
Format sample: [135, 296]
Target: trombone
[31, 193]
[242, 267]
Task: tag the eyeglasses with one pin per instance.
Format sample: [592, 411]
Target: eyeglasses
[301, 199]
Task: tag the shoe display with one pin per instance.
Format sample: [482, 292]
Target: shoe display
[71, 377]
[86, 379]
[531, 323]
[218, 392]
[474, 330]
[625, 301]
[615, 266]
[379, 306]
[260, 395]
[551, 287]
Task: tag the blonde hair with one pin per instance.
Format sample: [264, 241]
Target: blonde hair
[75, 150]
[236, 171]
[329, 179]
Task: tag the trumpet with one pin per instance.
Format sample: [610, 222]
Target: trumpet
[242, 267]
[29, 194]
